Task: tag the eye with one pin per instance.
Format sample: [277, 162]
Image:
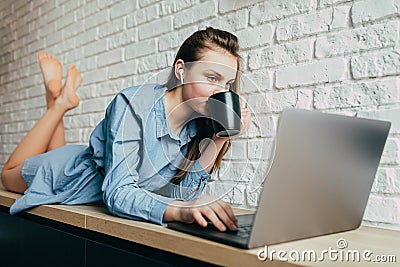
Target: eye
[212, 78]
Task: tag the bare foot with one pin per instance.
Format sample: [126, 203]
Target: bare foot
[68, 97]
[52, 73]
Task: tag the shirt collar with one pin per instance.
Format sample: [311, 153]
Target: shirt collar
[188, 131]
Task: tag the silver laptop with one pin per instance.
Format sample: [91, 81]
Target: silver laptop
[319, 181]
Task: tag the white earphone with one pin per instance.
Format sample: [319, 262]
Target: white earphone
[180, 70]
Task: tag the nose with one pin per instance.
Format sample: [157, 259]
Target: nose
[220, 88]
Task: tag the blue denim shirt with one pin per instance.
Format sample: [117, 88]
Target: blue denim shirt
[142, 154]
[129, 163]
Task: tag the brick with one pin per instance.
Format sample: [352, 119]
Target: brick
[31, 16]
[325, 3]
[142, 48]
[281, 54]
[291, 99]
[97, 47]
[303, 25]
[368, 93]
[143, 3]
[330, 70]
[143, 15]
[229, 5]
[202, 11]
[222, 190]
[71, 57]
[114, 26]
[370, 10]
[22, 10]
[107, 88]
[65, 21]
[257, 36]
[97, 19]
[391, 153]
[121, 70]
[234, 171]
[88, 9]
[253, 194]
[230, 22]
[87, 37]
[72, 122]
[260, 149]
[238, 149]
[175, 38]
[239, 195]
[391, 115]
[53, 15]
[155, 28]
[168, 7]
[259, 103]
[154, 62]
[383, 209]
[361, 39]
[109, 58]
[122, 39]
[256, 81]
[73, 135]
[53, 38]
[94, 105]
[96, 75]
[30, 38]
[262, 125]
[375, 64]
[73, 29]
[123, 8]
[387, 181]
[36, 46]
[341, 17]
[277, 9]
[102, 4]
[45, 8]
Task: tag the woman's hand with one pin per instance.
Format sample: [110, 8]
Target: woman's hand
[245, 121]
[206, 207]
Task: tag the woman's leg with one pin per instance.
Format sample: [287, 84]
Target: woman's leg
[38, 138]
[52, 75]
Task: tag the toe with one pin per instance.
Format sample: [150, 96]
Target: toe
[42, 54]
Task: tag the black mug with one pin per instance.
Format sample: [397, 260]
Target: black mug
[225, 113]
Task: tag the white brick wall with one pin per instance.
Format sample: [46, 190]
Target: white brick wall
[337, 56]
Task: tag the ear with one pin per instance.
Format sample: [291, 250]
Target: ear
[179, 64]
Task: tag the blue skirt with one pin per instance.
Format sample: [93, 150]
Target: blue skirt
[66, 175]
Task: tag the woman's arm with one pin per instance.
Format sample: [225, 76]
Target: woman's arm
[217, 211]
[121, 193]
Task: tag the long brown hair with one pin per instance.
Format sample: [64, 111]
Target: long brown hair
[191, 50]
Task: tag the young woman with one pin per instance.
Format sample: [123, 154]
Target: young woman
[152, 154]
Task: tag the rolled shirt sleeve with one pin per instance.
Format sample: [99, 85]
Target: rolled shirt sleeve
[121, 193]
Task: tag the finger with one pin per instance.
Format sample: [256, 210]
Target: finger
[229, 211]
[199, 219]
[219, 210]
[210, 214]
[225, 213]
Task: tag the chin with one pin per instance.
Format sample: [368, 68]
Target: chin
[202, 109]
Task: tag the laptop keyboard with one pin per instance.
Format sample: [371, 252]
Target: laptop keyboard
[244, 230]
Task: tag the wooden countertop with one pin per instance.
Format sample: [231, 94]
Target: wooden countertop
[378, 241]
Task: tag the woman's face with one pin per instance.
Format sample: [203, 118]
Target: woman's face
[208, 76]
